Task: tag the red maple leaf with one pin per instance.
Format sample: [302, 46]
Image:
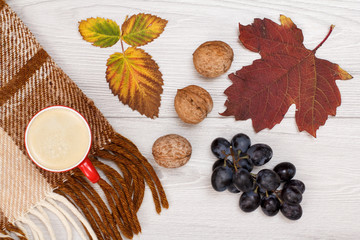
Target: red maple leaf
[286, 74]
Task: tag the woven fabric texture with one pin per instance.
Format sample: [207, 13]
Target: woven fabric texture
[30, 81]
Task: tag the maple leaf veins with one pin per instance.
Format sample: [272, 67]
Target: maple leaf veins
[286, 74]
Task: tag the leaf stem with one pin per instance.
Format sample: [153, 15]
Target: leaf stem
[122, 46]
[330, 30]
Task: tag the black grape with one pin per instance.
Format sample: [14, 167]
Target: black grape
[220, 162]
[297, 184]
[232, 171]
[221, 178]
[220, 148]
[291, 211]
[231, 188]
[270, 205]
[285, 170]
[245, 163]
[249, 201]
[240, 142]
[260, 154]
[291, 194]
[268, 180]
[243, 180]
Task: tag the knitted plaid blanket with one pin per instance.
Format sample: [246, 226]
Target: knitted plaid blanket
[29, 81]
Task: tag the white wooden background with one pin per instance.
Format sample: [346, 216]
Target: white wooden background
[329, 165]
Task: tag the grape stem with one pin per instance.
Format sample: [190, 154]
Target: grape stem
[277, 196]
[238, 153]
[235, 160]
[225, 158]
[253, 175]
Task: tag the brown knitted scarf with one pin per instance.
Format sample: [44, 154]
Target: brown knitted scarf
[30, 81]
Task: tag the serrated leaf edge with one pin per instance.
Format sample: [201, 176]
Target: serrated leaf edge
[93, 43]
[146, 14]
[156, 113]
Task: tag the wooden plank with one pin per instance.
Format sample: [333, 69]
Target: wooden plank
[328, 165]
[190, 24]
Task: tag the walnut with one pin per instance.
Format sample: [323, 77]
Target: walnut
[171, 151]
[192, 104]
[213, 58]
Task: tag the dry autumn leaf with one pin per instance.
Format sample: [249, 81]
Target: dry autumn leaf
[100, 32]
[136, 79]
[141, 29]
[132, 75]
[286, 74]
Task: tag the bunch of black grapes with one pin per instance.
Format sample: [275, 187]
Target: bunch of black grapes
[232, 171]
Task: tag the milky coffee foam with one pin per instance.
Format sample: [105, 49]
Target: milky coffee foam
[58, 138]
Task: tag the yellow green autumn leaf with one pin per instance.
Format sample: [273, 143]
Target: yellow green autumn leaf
[100, 32]
[142, 28]
[135, 78]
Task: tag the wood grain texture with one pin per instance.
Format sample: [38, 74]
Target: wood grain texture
[329, 165]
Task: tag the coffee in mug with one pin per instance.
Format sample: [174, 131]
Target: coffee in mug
[58, 138]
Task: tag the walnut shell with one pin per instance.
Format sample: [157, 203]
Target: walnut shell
[213, 58]
[192, 104]
[171, 151]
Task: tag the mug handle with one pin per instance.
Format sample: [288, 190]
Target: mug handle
[89, 170]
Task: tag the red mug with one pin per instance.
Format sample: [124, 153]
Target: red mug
[58, 139]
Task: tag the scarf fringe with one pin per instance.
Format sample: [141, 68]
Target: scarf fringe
[12, 229]
[116, 215]
[124, 152]
[113, 217]
[60, 207]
